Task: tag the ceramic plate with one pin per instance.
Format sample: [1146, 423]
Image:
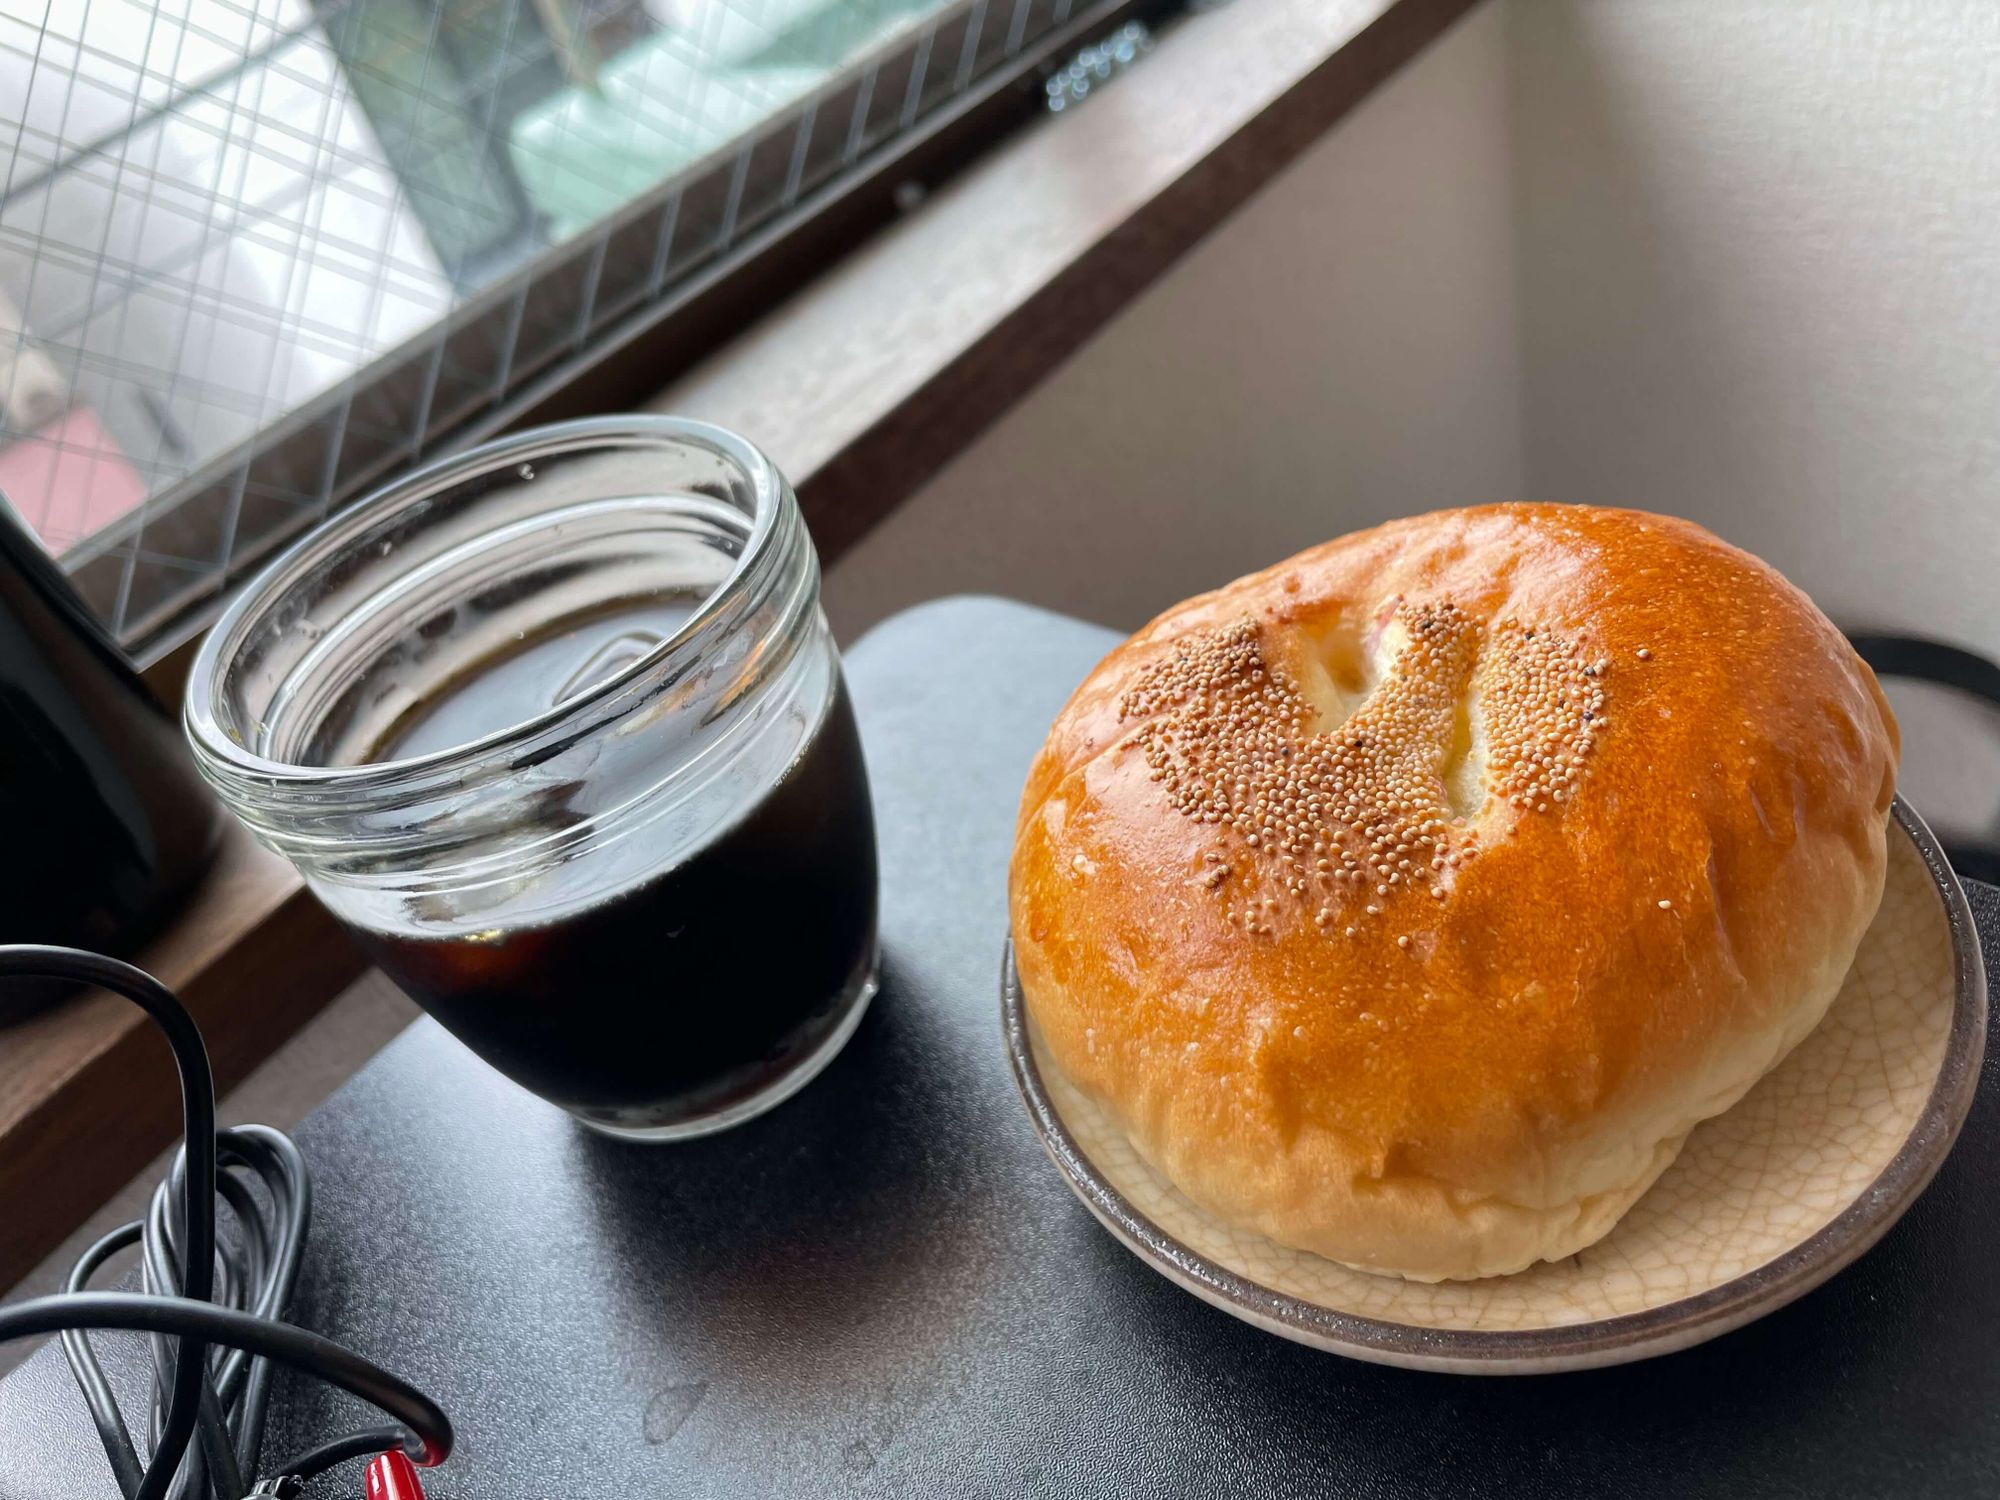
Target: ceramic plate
[1764, 1203]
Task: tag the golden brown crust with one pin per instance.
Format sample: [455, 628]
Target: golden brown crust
[1659, 899]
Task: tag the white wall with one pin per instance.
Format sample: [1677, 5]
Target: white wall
[1341, 351]
[1758, 247]
[1737, 261]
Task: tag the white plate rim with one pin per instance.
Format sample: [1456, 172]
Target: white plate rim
[1599, 1342]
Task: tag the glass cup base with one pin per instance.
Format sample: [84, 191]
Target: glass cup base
[850, 1007]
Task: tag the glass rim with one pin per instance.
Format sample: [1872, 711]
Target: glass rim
[218, 752]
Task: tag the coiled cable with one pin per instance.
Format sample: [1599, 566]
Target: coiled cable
[213, 1313]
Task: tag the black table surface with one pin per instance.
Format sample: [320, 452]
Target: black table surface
[882, 1288]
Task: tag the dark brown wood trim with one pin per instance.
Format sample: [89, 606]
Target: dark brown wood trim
[973, 359]
[627, 367]
[87, 1089]
[862, 386]
[968, 363]
[879, 468]
[627, 362]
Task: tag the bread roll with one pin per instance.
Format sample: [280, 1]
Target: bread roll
[1410, 901]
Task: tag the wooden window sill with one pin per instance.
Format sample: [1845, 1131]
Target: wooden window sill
[862, 388]
[88, 1093]
[871, 381]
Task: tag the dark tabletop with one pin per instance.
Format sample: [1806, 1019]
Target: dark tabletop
[883, 1288]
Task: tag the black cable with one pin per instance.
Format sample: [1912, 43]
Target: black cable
[196, 1300]
[1976, 676]
[427, 1440]
[363, 1444]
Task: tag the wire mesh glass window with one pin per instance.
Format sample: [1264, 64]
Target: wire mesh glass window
[255, 255]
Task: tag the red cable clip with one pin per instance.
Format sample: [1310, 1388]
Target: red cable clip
[394, 1477]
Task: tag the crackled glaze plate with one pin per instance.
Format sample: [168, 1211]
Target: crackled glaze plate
[1764, 1203]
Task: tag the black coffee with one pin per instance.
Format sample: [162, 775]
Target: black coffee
[689, 990]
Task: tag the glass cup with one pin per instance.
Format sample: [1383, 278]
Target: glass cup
[556, 728]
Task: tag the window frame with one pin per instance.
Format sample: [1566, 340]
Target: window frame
[81, 1110]
[590, 350]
